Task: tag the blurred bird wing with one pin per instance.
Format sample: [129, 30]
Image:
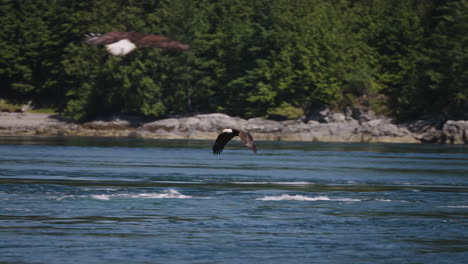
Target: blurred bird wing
[105, 39]
[221, 141]
[138, 39]
[247, 139]
[161, 42]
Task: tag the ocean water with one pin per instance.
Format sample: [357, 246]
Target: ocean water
[101, 200]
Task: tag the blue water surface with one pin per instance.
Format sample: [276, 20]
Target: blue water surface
[114, 200]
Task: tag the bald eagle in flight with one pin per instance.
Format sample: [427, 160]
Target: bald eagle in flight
[122, 43]
[227, 135]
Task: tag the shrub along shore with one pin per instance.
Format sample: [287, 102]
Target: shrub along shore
[327, 127]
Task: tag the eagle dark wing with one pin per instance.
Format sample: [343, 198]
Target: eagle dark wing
[247, 139]
[221, 141]
[161, 42]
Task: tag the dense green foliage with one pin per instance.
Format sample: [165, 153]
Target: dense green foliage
[407, 58]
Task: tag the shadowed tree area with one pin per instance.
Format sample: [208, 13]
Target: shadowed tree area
[404, 58]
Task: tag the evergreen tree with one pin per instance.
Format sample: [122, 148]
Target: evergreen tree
[444, 67]
[248, 58]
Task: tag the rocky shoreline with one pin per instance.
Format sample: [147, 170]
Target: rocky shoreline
[324, 127]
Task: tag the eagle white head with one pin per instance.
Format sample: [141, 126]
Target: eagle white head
[227, 130]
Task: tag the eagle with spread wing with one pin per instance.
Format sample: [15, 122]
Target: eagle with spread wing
[122, 43]
[228, 134]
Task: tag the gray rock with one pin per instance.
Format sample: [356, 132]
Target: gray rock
[105, 125]
[393, 130]
[313, 123]
[456, 132]
[363, 115]
[261, 125]
[214, 116]
[206, 125]
[335, 118]
[188, 124]
[334, 132]
[374, 123]
[431, 135]
[169, 124]
[319, 115]
[420, 126]
[427, 130]
[216, 122]
[295, 127]
[383, 127]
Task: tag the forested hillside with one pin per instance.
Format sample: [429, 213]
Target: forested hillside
[405, 58]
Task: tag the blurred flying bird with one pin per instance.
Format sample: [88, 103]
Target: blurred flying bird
[122, 43]
[227, 135]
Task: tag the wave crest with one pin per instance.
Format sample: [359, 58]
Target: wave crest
[287, 197]
[167, 194]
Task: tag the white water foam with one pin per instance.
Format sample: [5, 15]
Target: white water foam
[173, 194]
[287, 197]
[277, 183]
[100, 189]
[102, 197]
[383, 200]
[168, 194]
[455, 206]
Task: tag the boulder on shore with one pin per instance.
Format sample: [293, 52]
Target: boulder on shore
[456, 132]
